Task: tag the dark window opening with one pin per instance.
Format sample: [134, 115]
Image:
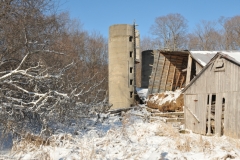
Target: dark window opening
[207, 114]
[130, 54]
[208, 99]
[131, 82]
[222, 120]
[131, 94]
[130, 38]
[193, 70]
[210, 117]
[131, 69]
[212, 114]
[213, 99]
[223, 101]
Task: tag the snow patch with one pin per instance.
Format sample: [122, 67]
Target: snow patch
[142, 93]
[168, 96]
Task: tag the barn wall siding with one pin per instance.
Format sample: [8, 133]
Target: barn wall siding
[216, 82]
[200, 127]
[225, 84]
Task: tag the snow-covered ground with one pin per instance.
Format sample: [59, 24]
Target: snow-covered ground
[132, 136]
[142, 93]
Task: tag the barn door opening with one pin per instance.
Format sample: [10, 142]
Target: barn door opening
[212, 114]
[222, 120]
[210, 117]
[207, 114]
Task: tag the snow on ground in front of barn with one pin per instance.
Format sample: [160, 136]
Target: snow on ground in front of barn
[132, 137]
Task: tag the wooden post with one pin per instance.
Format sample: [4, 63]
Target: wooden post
[167, 73]
[173, 78]
[189, 69]
[177, 80]
[160, 79]
[182, 81]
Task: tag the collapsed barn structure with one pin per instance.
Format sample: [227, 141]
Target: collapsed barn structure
[212, 97]
[169, 70]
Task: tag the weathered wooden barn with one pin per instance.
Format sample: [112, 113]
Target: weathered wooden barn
[174, 69]
[212, 98]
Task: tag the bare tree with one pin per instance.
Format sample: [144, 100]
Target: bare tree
[89, 52]
[205, 37]
[148, 43]
[231, 27]
[193, 42]
[47, 74]
[171, 31]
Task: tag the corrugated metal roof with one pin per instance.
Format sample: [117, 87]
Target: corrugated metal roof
[203, 57]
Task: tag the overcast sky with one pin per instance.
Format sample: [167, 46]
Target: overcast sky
[98, 15]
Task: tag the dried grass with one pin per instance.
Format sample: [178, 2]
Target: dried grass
[28, 143]
[186, 143]
[166, 129]
[183, 144]
[35, 144]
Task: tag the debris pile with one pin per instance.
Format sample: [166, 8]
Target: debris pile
[168, 101]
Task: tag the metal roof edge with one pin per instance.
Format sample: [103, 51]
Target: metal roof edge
[229, 58]
[194, 58]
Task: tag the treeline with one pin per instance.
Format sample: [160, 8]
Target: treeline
[171, 32]
[28, 25]
[51, 70]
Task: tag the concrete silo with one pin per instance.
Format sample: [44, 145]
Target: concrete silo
[138, 65]
[147, 63]
[121, 68]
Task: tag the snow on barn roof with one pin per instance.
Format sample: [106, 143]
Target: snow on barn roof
[233, 56]
[203, 57]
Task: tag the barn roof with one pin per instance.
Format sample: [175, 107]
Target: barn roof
[203, 57]
[232, 56]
